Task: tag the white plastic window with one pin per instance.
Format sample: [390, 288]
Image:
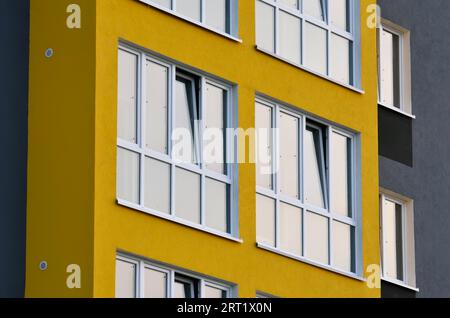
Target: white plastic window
[136, 278]
[172, 146]
[320, 35]
[305, 203]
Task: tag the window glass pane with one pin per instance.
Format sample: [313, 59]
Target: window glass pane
[316, 237]
[157, 185]
[125, 279]
[187, 195]
[214, 292]
[290, 3]
[389, 69]
[185, 118]
[343, 246]
[339, 14]
[189, 8]
[316, 49]
[340, 174]
[392, 240]
[290, 229]
[214, 151]
[265, 26]
[289, 151]
[185, 287]
[128, 175]
[314, 8]
[216, 12]
[265, 220]
[216, 205]
[289, 33]
[264, 146]
[340, 59]
[156, 107]
[155, 284]
[181, 290]
[314, 168]
[127, 91]
[163, 3]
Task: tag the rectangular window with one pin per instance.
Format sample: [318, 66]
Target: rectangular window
[394, 69]
[126, 275]
[306, 207]
[397, 239]
[137, 278]
[218, 15]
[319, 35]
[172, 146]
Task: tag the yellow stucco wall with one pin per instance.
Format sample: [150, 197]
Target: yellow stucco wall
[61, 150]
[252, 269]
[84, 184]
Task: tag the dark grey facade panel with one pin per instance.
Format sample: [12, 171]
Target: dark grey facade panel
[14, 33]
[395, 136]
[389, 290]
[428, 181]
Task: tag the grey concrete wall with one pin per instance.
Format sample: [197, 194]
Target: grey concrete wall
[428, 181]
[14, 26]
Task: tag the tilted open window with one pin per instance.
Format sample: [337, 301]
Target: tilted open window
[137, 278]
[306, 188]
[172, 148]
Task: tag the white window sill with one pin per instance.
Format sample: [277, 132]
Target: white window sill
[179, 221]
[328, 78]
[182, 17]
[400, 283]
[309, 262]
[397, 110]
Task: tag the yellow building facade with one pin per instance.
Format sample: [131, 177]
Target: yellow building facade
[73, 212]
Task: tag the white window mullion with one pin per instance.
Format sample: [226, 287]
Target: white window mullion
[200, 129]
[330, 194]
[302, 41]
[230, 161]
[141, 124]
[172, 81]
[330, 240]
[302, 181]
[141, 279]
[328, 52]
[401, 75]
[329, 150]
[381, 217]
[201, 292]
[277, 177]
[380, 64]
[274, 141]
[202, 11]
[277, 29]
[404, 245]
[174, 5]
[171, 281]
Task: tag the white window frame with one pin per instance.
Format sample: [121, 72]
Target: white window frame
[354, 221]
[408, 245]
[171, 271]
[404, 60]
[230, 179]
[231, 19]
[353, 35]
